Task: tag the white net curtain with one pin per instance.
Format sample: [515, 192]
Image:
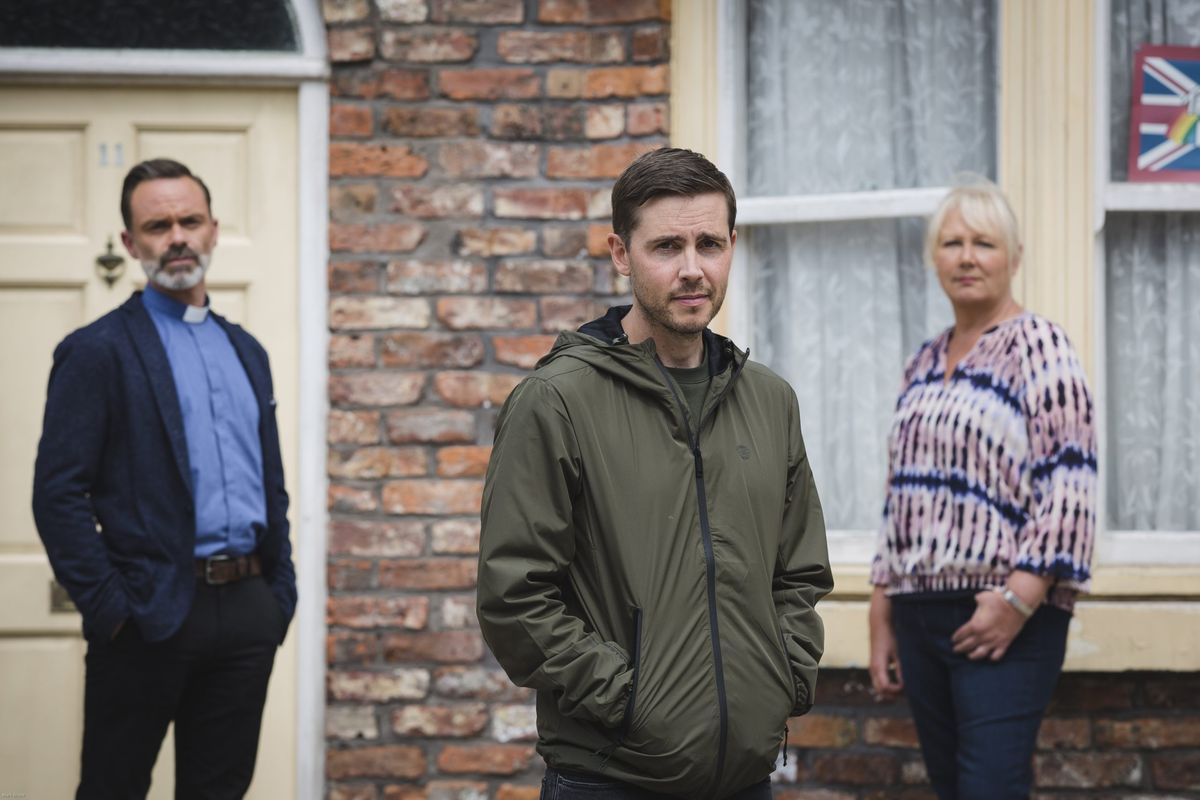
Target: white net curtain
[858, 95]
[1152, 313]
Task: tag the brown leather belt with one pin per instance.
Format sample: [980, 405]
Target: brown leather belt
[223, 569]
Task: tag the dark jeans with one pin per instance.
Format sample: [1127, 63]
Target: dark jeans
[210, 678]
[566, 785]
[977, 720]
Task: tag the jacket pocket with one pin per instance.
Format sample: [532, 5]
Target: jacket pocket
[631, 703]
[787, 666]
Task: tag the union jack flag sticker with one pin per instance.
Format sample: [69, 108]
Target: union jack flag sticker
[1164, 143]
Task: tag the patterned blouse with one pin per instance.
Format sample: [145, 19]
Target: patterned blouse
[992, 471]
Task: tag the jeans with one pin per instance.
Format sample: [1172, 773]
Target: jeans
[977, 720]
[567, 785]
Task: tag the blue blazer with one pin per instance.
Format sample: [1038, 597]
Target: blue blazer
[112, 493]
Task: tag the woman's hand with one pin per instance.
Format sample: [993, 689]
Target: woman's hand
[990, 630]
[886, 679]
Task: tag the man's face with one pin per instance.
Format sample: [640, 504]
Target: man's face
[171, 232]
[678, 260]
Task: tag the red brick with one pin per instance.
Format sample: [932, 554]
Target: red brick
[353, 427]
[436, 277]
[409, 11]
[568, 313]
[1087, 770]
[404, 84]
[516, 122]
[431, 350]
[351, 351]
[822, 730]
[605, 121]
[431, 122]
[349, 202]
[395, 683]
[451, 647]
[486, 759]
[350, 575]
[1058, 733]
[352, 791]
[1177, 771]
[602, 12]
[647, 119]
[490, 84]
[626, 81]
[514, 791]
[854, 769]
[852, 688]
[454, 200]
[430, 425]
[514, 723]
[351, 722]
[456, 790]
[377, 538]
[494, 241]
[597, 239]
[564, 83]
[474, 389]
[1148, 732]
[455, 536]
[351, 648]
[1080, 693]
[564, 242]
[346, 277]
[351, 159]
[417, 575]
[376, 388]
[595, 161]
[780, 791]
[428, 45]
[543, 277]
[551, 203]
[344, 10]
[417, 496]
[367, 611]
[488, 12]
[564, 123]
[348, 120]
[405, 792]
[651, 44]
[891, 732]
[391, 761]
[1177, 690]
[351, 499]
[376, 313]
[383, 237]
[477, 683]
[458, 611]
[463, 462]
[539, 47]
[489, 160]
[351, 44]
[368, 463]
[475, 313]
[521, 351]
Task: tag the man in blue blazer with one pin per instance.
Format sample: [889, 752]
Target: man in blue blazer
[159, 496]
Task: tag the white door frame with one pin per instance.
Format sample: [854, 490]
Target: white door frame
[308, 71]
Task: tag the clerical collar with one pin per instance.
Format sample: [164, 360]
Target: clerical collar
[169, 306]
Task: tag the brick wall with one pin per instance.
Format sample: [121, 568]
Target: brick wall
[474, 143]
[473, 148]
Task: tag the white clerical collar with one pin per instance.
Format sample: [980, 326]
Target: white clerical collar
[195, 314]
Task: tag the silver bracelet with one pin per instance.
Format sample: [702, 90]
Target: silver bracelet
[1014, 600]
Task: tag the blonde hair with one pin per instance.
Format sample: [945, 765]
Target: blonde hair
[983, 208]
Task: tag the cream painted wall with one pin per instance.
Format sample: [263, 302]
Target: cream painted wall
[1142, 617]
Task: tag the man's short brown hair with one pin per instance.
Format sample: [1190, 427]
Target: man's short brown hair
[152, 170]
[667, 171]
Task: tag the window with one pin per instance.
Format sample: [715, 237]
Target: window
[856, 116]
[1150, 251]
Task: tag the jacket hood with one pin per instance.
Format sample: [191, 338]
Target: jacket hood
[603, 345]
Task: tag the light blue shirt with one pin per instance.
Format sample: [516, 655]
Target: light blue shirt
[220, 420]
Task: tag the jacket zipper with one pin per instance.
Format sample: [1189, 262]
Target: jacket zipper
[710, 562]
[631, 703]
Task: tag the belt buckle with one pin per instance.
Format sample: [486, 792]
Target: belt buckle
[208, 565]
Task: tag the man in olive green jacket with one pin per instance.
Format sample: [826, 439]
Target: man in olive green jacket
[653, 547]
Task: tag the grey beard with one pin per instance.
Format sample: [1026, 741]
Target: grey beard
[177, 281]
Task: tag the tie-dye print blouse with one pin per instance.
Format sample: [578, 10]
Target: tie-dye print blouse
[992, 471]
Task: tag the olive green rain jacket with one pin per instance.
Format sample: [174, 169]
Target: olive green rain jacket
[653, 576]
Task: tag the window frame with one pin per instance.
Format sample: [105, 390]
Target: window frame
[1115, 546]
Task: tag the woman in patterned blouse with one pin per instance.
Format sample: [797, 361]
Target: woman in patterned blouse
[988, 524]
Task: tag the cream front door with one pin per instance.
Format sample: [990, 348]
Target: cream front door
[63, 155]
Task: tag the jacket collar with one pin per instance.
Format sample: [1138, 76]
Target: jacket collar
[608, 329]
